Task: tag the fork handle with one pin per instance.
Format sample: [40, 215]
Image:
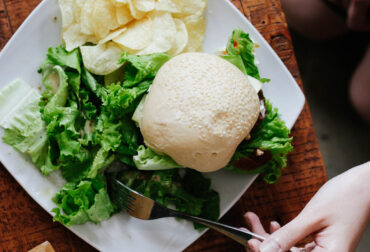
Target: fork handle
[237, 234]
[234, 233]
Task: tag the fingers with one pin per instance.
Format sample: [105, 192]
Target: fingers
[286, 237]
[358, 18]
[310, 246]
[254, 223]
[254, 245]
[274, 226]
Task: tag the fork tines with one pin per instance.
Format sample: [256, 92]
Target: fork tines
[121, 195]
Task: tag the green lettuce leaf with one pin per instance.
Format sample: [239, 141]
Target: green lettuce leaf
[87, 200]
[237, 61]
[147, 159]
[59, 98]
[141, 67]
[21, 119]
[241, 44]
[271, 135]
[119, 100]
[102, 159]
[69, 61]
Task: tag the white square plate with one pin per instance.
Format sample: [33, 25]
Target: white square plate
[22, 56]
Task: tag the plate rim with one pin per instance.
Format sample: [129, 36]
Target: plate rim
[247, 186]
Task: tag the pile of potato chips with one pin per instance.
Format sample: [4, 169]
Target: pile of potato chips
[136, 26]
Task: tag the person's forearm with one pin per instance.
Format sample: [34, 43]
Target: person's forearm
[362, 181]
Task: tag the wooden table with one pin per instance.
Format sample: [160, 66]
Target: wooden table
[24, 224]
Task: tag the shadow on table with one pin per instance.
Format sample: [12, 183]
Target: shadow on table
[326, 68]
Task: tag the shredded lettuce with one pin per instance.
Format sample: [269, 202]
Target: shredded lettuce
[147, 159]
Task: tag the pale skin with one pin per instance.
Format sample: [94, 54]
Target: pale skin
[315, 20]
[335, 218]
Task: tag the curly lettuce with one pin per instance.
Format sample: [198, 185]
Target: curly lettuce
[270, 136]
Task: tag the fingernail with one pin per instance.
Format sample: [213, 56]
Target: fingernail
[247, 213]
[270, 246]
[275, 222]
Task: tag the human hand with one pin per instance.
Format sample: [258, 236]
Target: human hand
[335, 217]
[358, 13]
[254, 224]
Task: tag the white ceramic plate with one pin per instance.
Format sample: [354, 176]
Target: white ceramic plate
[22, 56]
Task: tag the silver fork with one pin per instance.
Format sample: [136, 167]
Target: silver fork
[142, 207]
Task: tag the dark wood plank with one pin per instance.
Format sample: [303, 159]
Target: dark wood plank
[5, 30]
[24, 224]
[18, 10]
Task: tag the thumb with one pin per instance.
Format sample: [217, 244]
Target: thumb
[287, 236]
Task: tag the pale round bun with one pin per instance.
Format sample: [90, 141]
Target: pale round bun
[200, 107]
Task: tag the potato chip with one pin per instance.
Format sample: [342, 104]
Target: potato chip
[123, 14]
[118, 3]
[144, 5]
[138, 34]
[181, 38]
[191, 7]
[112, 35]
[103, 18]
[181, 8]
[101, 59]
[68, 10]
[196, 26]
[167, 6]
[85, 19]
[137, 14]
[137, 26]
[164, 29]
[73, 38]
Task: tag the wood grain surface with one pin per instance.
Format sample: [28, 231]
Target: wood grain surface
[24, 224]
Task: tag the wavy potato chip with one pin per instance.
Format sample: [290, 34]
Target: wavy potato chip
[113, 35]
[118, 3]
[137, 26]
[181, 8]
[103, 18]
[71, 11]
[164, 29]
[144, 5]
[196, 26]
[101, 59]
[137, 14]
[137, 36]
[68, 10]
[85, 20]
[167, 6]
[123, 14]
[73, 37]
[181, 38]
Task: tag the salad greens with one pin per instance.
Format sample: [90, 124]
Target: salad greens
[239, 51]
[147, 159]
[271, 136]
[190, 193]
[86, 200]
[82, 123]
